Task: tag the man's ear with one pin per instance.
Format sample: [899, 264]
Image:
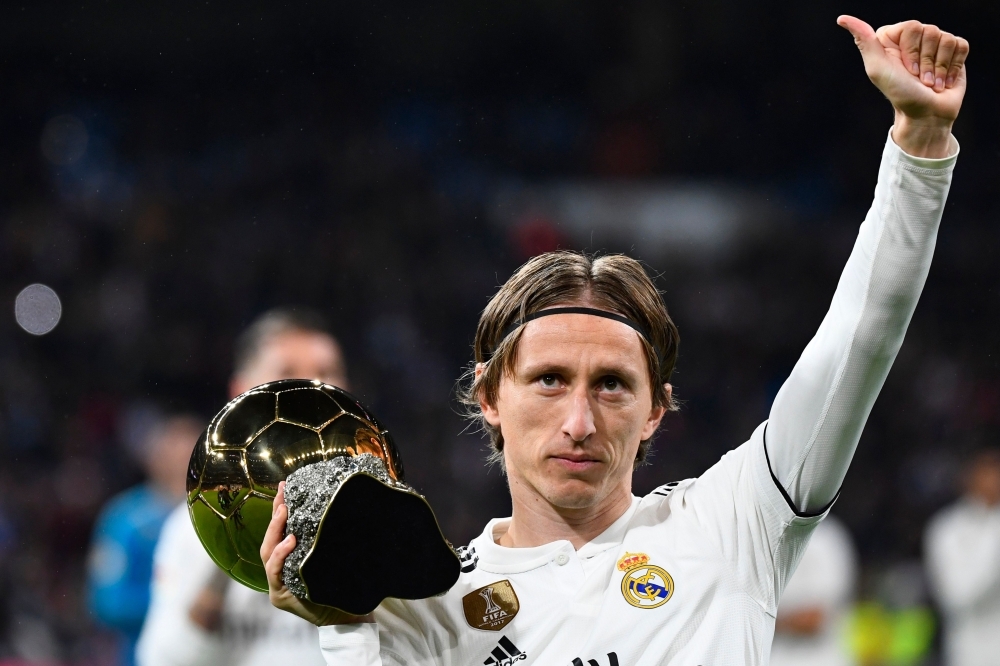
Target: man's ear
[656, 415]
[489, 411]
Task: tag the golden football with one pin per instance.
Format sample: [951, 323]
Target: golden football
[253, 444]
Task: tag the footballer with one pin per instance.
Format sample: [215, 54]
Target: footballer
[573, 360]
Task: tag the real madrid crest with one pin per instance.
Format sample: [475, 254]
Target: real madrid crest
[491, 607]
[644, 585]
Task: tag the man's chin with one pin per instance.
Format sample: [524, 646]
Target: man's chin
[574, 495]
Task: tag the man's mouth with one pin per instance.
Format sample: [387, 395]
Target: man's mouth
[576, 462]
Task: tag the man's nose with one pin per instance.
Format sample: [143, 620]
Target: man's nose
[579, 422]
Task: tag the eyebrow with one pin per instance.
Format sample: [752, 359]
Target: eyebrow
[546, 367]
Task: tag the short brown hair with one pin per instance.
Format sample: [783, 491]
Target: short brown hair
[612, 282]
[271, 324]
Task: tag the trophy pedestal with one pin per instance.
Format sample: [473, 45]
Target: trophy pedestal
[362, 537]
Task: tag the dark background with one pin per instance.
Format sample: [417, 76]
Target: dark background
[345, 157]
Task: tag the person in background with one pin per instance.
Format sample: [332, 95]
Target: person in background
[120, 565]
[962, 551]
[198, 616]
[813, 610]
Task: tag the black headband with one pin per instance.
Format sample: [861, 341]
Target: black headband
[587, 311]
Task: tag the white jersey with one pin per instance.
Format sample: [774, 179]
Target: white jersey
[691, 574]
[962, 549]
[253, 632]
[824, 581]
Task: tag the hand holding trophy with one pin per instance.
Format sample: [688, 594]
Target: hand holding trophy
[348, 506]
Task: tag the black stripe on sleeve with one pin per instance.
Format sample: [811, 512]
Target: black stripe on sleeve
[784, 493]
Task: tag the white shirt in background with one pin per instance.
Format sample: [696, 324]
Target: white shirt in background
[824, 580]
[962, 550]
[254, 633]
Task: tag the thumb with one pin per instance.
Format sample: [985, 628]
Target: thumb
[864, 36]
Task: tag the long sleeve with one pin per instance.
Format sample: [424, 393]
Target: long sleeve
[817, 416]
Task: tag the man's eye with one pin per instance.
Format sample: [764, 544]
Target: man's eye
[611, 384]
[549, 381]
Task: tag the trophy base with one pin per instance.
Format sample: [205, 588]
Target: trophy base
[376, 539]
[358, 564]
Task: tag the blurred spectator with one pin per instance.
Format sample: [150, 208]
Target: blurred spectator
[120, 565]
[816, 601]
[962, 546]
[198, 616]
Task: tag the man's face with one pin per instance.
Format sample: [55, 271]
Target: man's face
[167, 461]
[294, 355]
[574, 411]
[984, 480]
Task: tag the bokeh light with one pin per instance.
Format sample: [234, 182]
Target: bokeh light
[37, 309]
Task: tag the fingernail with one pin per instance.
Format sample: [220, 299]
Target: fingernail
[950, 81]
[915, 68]
[939, 82]
[928, 78]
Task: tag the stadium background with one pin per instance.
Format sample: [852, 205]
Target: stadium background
[173, 170]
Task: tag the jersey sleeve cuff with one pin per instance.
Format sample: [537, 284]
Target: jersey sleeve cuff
[931, 164]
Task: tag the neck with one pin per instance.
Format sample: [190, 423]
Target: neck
[536, 522]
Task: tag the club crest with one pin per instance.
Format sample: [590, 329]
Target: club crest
[492, 607]
[644, 585]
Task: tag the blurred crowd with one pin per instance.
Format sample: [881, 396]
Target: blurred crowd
[171, 191]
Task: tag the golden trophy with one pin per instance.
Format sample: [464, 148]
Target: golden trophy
[348, 505]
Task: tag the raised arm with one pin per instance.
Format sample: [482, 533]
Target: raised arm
[818, 414]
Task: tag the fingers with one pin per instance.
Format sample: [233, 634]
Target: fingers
[957, 62]
[861, 31]
[934, 56]
[942, 61]
[929, 42]
[867, 41]
[276, 560]
[279, 498]
[276, 528]
[907, 34]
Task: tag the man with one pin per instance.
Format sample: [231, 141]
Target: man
[814, 604]
[962, 547]
[197, 616]
[573, 358]
[120, 565]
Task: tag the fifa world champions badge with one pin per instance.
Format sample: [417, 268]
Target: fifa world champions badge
[644, 585]
[492, 607]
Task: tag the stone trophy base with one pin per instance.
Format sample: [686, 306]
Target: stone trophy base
[362, 537]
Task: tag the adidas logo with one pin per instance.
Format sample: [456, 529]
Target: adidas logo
[665, 489]
[469, 559]
[505, 654]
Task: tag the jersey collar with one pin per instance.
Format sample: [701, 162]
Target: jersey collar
[499, 559]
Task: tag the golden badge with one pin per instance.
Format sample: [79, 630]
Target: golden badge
[491, 608]
[644, 585]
